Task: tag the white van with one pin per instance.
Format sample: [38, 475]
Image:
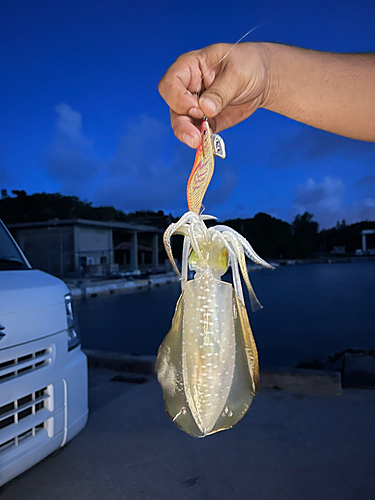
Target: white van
[43, 372]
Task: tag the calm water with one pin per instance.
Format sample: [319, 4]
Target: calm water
[308, 310]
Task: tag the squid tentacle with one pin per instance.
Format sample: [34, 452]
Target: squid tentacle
[185, 258]
[194, 238]
[249, 251]
[208, 217]
[168, 248]
[235, 270]
[179, 227]
[255, 304]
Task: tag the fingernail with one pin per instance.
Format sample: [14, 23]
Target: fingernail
[196, 113]
[188, 139]
[209, 103]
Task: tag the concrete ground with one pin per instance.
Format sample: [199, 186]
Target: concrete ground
[292, 447]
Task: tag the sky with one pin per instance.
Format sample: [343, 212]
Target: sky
[80, 112]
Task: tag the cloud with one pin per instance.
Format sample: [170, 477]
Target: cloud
[363, 210]
[310, 144]
[147, 173]
[140, 148]
[149, 169]
[70, 159]
[326, 195]
[143, 174]
[69, 127]
[326, 201]
[223, 184]
[368, 180]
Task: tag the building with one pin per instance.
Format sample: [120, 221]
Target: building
[338, 250]
[364, 234]
[79, 247]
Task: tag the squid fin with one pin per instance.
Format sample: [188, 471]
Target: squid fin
[169, 372]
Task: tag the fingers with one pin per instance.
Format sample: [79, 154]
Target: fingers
[222, 102]
[176, 86]
[185, 129]
[233, 114]
[221, 93]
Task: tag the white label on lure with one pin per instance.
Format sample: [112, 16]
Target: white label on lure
[219, 146]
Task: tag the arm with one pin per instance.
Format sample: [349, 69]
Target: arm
[334, 92]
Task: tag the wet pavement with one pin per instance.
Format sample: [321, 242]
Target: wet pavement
[288, 447]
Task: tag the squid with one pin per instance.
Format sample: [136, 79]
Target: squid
[207, 364]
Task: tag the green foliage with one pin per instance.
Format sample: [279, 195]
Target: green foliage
[270, 237]
[150, 218]
[305, 225]
[44, 206]
[305, 231]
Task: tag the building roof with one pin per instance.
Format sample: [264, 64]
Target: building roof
[140, 228]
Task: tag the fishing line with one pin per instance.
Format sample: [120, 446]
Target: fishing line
[224, 56]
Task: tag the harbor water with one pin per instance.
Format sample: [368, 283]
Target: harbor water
[309, 310]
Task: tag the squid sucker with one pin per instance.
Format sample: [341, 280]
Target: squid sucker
[207, 364]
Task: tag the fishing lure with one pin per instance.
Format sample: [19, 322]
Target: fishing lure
[207, 364]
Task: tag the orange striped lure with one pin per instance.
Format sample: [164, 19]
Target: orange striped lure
[203, 168]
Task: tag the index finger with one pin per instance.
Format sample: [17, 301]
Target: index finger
[178, 84]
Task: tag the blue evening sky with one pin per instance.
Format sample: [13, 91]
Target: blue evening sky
[80, 112]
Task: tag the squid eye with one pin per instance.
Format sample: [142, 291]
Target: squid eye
[193, 258]
[223, 260]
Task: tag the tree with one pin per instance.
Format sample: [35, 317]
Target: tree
[270, 237]
[305, 231]
[19, 193]
[305, 225]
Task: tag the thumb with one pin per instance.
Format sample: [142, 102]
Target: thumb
[222, 91]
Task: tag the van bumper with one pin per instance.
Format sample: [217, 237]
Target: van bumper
[53, 392]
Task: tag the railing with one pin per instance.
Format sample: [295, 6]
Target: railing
[90, 263]
[81, 263]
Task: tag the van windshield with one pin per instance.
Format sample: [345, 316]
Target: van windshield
[10, 257]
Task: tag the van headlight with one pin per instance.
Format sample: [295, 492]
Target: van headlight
[72, 327]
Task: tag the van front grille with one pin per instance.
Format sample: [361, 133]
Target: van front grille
[27, 363]
[17, 440]
[17, 413]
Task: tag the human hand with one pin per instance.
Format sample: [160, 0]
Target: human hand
[227, 92]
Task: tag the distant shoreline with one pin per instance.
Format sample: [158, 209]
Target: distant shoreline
[91, 288]
[82, 288]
